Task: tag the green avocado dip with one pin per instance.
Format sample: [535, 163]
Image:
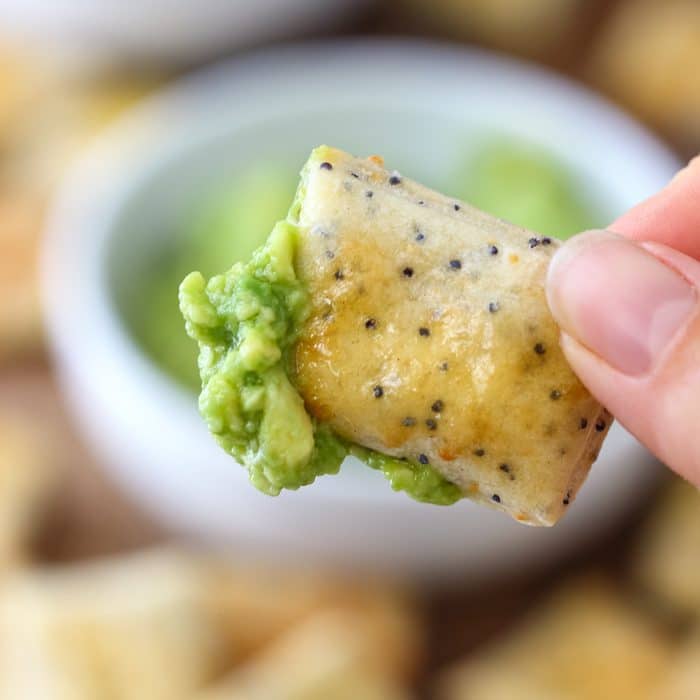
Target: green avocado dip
[226, 221]
[245, 322]
[527, 186]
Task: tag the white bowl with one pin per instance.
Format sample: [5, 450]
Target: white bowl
[412, 102]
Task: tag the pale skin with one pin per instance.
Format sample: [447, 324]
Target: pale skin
[628, 304]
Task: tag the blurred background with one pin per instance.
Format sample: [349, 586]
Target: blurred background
[135, 561]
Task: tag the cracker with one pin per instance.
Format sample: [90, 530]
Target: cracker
[430, 339]
[134, 627]
[256, 606]
[584, 644]
[333, 655]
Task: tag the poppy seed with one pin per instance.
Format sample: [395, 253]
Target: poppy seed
[539, 349]
[456, 264]
[407, 272]
[437, 406]
[326, 165]
[425, 332]
[423, 459]
[378, 392]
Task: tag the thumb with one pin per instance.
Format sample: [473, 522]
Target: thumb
[630, 319]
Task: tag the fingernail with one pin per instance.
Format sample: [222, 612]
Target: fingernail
[618, 300]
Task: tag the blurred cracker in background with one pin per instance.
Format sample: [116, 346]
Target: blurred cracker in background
[334, 655]
[131, 629]
[257, 605]
[667, 563]
[586, 643]
[647, 56]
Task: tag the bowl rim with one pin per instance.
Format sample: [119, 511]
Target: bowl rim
[120, 152]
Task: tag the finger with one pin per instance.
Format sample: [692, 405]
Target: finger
[630, 316]
[671, 217]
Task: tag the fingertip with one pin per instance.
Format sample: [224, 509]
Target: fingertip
[558, 274]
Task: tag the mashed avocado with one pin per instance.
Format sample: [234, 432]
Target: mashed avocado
[245, 322]
[422, 482]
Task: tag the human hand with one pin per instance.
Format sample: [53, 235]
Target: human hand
[628, 304]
